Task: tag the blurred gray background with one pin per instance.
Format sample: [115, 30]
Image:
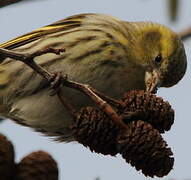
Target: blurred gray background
[76, 161]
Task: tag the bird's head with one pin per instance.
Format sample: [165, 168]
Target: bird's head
[161, 52]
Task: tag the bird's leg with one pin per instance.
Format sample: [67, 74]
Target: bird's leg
[56, 82]
[68, 106]
[58, 79]
[55, 86]
[87, 90]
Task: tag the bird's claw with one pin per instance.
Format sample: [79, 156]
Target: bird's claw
[56, 82]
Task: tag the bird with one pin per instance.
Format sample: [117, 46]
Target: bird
[111, 55]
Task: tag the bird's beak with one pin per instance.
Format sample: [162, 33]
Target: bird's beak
[152, 80]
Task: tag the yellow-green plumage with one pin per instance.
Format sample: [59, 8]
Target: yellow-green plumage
[109, 54]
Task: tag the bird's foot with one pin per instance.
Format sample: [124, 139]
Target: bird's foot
[56, 82]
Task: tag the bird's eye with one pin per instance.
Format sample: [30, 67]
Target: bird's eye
[158, 58]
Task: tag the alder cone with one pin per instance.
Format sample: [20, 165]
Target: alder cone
[37, 165]
[144, 148]
[140, 142]
[7, 165]
[150, 108]
[95, 130]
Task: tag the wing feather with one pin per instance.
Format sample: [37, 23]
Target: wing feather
[65, 24]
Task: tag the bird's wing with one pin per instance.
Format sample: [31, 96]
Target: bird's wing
[65, 24]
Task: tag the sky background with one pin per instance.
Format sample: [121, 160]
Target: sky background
[75, 161]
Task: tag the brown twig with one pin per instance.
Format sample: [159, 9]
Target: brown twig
[104, 106]
[185, 34]
[112, 101]
[173, 7]
[29, 60]
[7, 2]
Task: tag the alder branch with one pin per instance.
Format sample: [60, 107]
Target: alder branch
[86, 89]
[185, 34]
[118, 132]
[8, 2]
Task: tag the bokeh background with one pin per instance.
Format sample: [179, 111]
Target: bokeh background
[75, 161]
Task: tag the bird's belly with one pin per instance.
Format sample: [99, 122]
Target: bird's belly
[46, 114]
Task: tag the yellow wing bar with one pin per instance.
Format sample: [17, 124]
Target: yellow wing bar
[65, 24]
